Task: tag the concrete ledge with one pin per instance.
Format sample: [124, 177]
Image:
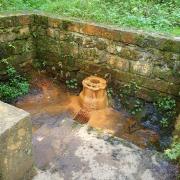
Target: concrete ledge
[15, 143]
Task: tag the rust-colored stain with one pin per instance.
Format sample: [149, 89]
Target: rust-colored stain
[91, 107]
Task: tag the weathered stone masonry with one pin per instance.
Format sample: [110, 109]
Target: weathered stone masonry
[68, 47]
[16, 42]
[16, 160]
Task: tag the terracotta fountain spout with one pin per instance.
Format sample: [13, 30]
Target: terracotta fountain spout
[93, 95]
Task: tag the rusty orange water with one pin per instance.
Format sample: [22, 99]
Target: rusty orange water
[49, 100]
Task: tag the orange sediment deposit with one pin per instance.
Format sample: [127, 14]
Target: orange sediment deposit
[91, 107]
[94, 110]
[112, 121]
[48, 98]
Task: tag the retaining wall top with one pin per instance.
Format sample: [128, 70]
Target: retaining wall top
[9, 116]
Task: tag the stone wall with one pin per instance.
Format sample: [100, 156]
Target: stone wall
[16, 160]
[80, 49]
[16, 41]
[73, 48]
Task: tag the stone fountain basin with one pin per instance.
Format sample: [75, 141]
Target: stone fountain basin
[66, 149]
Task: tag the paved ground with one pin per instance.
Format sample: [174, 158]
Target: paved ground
[67, 150]
[64, 149]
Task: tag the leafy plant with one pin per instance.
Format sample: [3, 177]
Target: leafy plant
[174, 152]
[129, 90]
[164, 122]
[72, 84]
[166, 107]
[129, 99]
[41, 64]
[15, 85]
[110, 92]
[11, 45]
[137, 107]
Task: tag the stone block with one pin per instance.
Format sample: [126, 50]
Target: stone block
[128, 37]
[171, 44]
[101, 44]
[142, 81]
[173, 89]
[163, 43]
[123, 76]
[169, 57]
[53, 33]
[92, 68]
[5, 37]
[54, 22]
[114, 48]
[91, 42]
[15, 141]
[25, 31]
[41, 20]
[71, 26]
[131, 53]
[40, 31]
[12, 20]
[100, 31]
[118, 62]
[88, 42]
[17, 60]
[16, 47]
[163, 73]
[69, 48]
[6, 22]
[141, 67]
[92, 54]
[12, 34]
[25, 20]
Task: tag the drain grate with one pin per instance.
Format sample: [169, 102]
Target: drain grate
[82, 116]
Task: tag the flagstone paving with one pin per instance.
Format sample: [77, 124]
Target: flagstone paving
[64, 149]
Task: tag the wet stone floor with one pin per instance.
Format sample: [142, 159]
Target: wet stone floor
[67, 150]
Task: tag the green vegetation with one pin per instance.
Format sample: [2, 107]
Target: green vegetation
[166, 106]
[138, 106]
[110, 92]
[40, 64]
[72, 84]
[15, 85]
[151, 15]
[128, 96]
[174, 151]
[129, 89]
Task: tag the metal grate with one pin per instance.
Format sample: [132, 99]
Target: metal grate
[82, 116]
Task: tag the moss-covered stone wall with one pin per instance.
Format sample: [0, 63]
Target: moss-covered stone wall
[66, 47]
[16, 41]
